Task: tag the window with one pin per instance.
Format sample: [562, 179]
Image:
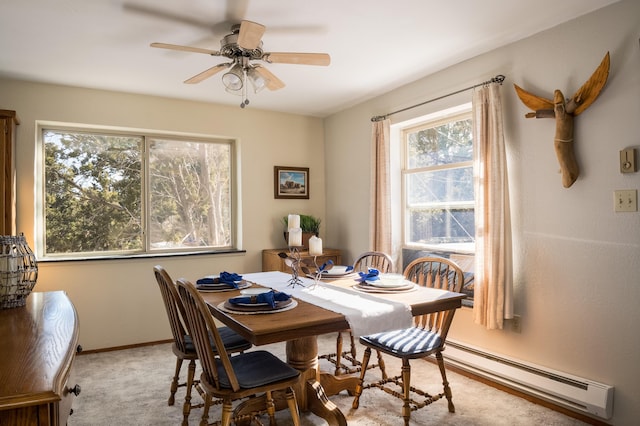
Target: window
[437, 190]
[438, 184]
[108, 192]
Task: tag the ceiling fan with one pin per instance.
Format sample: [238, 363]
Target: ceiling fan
[243, 46]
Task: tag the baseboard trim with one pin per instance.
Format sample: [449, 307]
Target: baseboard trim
[118, 348]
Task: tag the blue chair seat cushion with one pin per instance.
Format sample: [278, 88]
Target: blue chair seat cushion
[233, 342]
[256, 368]
[409, 342]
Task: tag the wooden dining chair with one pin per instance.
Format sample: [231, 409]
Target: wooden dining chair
[370, 259]
[183, 346]
[427, 337]
[248, 374]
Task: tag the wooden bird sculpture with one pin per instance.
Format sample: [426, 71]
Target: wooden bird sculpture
[564, 110]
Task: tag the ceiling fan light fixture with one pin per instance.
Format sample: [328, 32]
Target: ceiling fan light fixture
[242, 46]
[257, 81]
[233, 79]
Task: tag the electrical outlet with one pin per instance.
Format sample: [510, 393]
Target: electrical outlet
[625, 200]
[516, 325]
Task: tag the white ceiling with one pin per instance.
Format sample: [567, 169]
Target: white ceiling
[104, 44]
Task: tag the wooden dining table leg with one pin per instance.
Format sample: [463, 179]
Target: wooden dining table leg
[333, 385]
[302, 354]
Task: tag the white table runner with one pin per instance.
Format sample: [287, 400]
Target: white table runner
[365, 313]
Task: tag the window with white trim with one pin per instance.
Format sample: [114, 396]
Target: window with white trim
[437, 184]
[111, 192]
[435, 179]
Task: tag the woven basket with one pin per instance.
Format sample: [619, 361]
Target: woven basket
[18, 271]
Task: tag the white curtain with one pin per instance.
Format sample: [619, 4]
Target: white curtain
[380, 220]
[493, 279]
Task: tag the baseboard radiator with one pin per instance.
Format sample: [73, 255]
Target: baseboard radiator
[575, 393]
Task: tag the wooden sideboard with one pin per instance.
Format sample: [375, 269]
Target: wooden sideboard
[38, 345]
[272, 262]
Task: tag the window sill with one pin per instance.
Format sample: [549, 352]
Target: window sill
[141, 256]
[449, 248]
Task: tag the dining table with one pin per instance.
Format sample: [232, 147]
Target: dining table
[322, 306]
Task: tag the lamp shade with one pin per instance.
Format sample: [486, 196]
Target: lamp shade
[234, 78]
[257, 81]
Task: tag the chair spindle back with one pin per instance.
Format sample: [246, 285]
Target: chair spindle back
[373, 259]
[439, 273]
[173, 305]
[202, 326]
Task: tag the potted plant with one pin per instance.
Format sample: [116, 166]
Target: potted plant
[310, 226]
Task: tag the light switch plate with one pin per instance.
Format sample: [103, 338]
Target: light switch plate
[625, 200]
[628, 160]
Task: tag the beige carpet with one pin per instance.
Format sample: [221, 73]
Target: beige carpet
[131, 387]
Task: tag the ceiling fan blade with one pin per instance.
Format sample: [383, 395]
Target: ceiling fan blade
[250, 34]
[322, 59]
[273, 82]
[186, 48]
[207, 73]
[236, 10]
[165, 14]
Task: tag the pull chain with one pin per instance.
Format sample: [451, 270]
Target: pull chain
[245, 101]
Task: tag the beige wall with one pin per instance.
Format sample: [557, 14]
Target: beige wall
[577, 263]
[117, 300]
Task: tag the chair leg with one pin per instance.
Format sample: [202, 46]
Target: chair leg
[445, 382]
[359, 386]
[338, 353]
[353, 345]
[204, 420]
[406, 387]
[271, 408]
[227, 411]
[174, 382]
[186, 408]
[293, 406]
[383, 368]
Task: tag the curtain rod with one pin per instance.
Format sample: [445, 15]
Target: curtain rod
[497, 79]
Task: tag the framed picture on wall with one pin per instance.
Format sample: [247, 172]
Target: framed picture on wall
[291, 182]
